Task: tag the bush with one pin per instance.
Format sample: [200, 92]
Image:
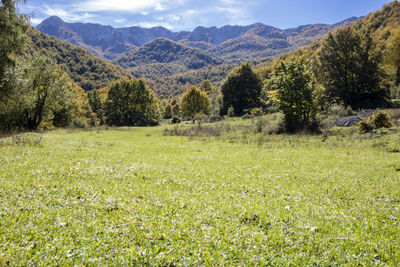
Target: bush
[364, 127]
[375, 121]
[175, 120]
[380, 120]
[231, 112]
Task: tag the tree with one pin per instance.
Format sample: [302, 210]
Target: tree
[176, 110]
[207, 87]
[194, 102]
[349, 68]
[132, 103]
[40, 93]
[393, 55]
[12, 31]
[96, 104]
[241, 90]
[297, 94]
[48, 89]
[168, 111]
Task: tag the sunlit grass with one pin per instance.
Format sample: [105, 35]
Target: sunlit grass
[133, 195]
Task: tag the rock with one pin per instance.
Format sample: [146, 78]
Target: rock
[347, 121]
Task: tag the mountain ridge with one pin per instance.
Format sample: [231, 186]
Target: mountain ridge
[110, 43]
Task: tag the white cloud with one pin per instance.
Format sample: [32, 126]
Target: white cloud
[173, 18]
[154, 24]
[120, 21]
[36, 21]
[67, 16]
[134, 6]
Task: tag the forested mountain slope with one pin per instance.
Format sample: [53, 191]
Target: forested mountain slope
[88, 71]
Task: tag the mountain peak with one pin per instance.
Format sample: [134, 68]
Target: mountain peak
[52, 20]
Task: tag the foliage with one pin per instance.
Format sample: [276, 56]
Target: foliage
[12, 30]
[96, 104]
[168, 111]
[242, 90]
[176, 110]
[175, 120]
[380, 120]
[375, 121]
[194, 102]
[170, 80]
[393, 56]
[131, 103]
[85, 69]
[207, 87]
[380, 26]
[296, 94]
[42, 94]
[231, 112]
[163, 50]
[349, 68]
[364, 127]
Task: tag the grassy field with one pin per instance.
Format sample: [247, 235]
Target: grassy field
[135, 196]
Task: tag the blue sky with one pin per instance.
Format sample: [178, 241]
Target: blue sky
[180, 15]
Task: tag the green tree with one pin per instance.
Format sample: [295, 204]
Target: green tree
[168, 111]
[96, 104]
[194, 102]
[297, 94]
[207, 87]
[241, 90]
[393, 55]
[47, 90]
[131, 103]
[176, 110]
[12, 41]
[349, 68]
[40, 91]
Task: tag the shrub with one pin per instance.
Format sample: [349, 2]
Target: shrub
[231, 112]
[380, 120]
[175, 120]
[364, 127]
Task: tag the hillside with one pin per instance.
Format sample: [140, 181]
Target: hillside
[163, 50]
[234, 43]
[85, 69]
[383, 24]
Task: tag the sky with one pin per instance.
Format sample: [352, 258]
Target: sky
[179, 15]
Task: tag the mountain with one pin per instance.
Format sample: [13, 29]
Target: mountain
[163, 50]
[85, 69]
[233, 43]
[384, 25]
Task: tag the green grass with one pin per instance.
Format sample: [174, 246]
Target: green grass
[134, 196]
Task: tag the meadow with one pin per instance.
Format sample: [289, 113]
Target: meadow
[123, 196]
